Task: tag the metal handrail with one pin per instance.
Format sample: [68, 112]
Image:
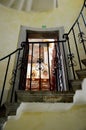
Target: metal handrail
[10, 54]
[84, 5]
[8, 58]
[77, 37]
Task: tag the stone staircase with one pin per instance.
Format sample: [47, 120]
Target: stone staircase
[49, 96]
[9, 109]
[76, 84]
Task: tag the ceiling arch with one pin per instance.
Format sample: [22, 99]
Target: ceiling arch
[30, 5]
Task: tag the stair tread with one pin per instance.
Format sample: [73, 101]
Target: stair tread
[3, 119]
[8, 104]
[84, 61]
[28, 96]
[76, 80]
[81, 70]
[11, 108]
[45, 92]
[81, 73]
[75, 84]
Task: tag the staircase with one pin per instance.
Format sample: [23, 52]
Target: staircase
[49, 96]
[17, 95]
[76, 84]
[9, 109]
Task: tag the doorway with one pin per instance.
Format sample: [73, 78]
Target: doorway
[42, 62]
[41, 73]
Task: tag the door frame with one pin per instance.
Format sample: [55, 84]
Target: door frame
[23, 37]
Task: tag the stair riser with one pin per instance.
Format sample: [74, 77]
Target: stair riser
[75, 84]
[46, 99]
[27, 97]
[78, 87]
[81, 76]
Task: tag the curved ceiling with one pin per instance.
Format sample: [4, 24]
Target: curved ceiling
[30, 5]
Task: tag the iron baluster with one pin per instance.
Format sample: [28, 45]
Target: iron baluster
[56, 68]
[71, 60]
[31, 66]
[83, 19]
[77, 49]
[81, 36]
[15, 73]
[1, 98]
[40, 60]
[66, 68]
[71, 57]
[48, 64]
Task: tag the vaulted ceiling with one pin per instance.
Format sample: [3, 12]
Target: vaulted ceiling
[30, 5]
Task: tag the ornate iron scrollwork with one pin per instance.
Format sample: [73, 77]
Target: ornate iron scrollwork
[71, 61]
[14, 71]
[82, 37]
[65, 36]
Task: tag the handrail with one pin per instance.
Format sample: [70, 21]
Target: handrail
[77, 17]
[8, 57]
[78, 37]
[10, 54]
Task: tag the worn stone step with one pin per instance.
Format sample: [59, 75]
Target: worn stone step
[75, 84]
[81, 73]
[84, 61]
[2, 121]
[2, 111]
[46, 96]
[11, 108]
[3, 116]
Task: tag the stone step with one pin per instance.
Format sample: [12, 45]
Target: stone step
[11, 108]
[84, 61]
[3, 116]
[75, 84]
[2, 121]
[46, 96]
[81, 73]
[2, 111]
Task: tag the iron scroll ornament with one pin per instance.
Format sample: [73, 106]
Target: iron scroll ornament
[82, 37]
[71, 58]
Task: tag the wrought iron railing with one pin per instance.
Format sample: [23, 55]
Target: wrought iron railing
[49, 69]
[76, 43]
[72, 47]
[8, 59]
